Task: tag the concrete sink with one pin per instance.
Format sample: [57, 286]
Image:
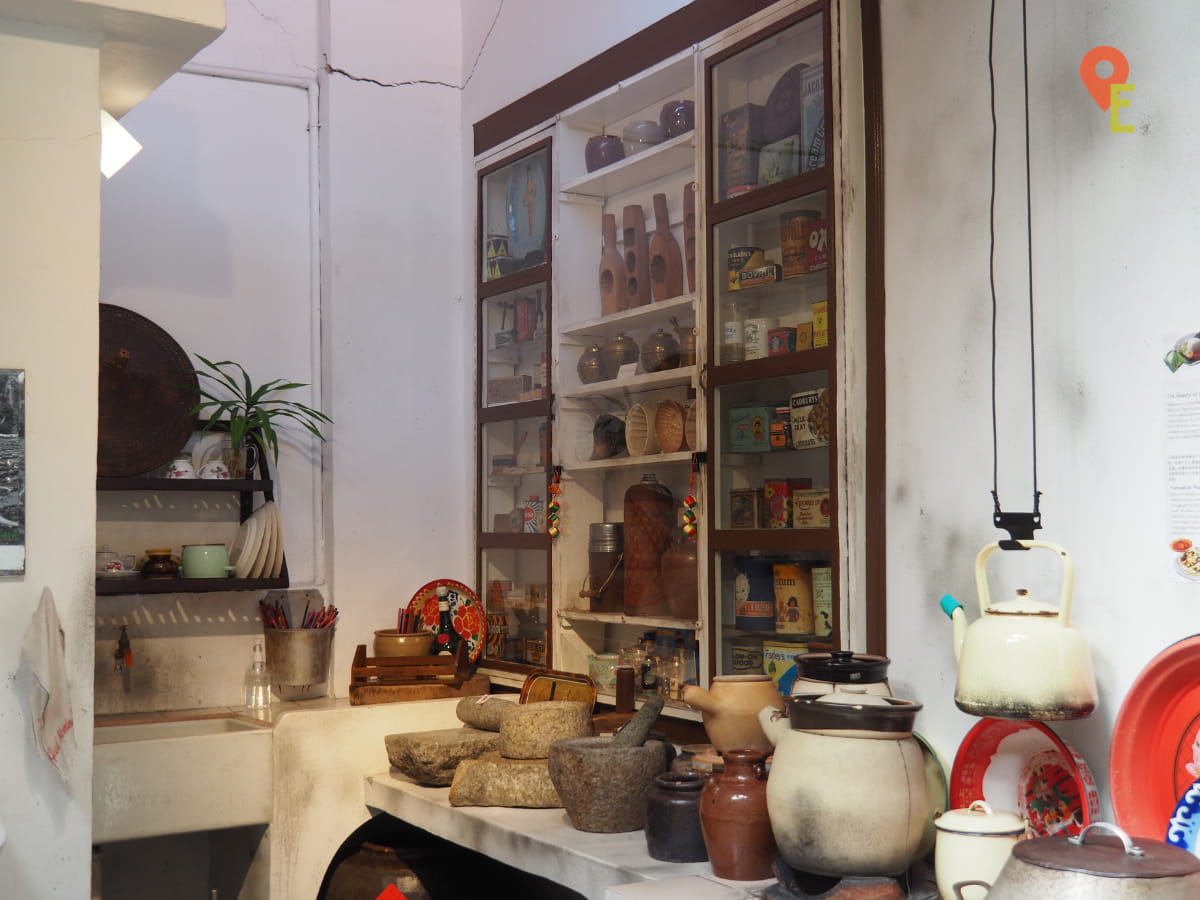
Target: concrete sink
[170, 777]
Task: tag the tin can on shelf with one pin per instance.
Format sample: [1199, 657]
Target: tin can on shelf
[746, 508]
[793, 598]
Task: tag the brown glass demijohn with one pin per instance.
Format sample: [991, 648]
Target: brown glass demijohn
[733, 818]
[649, 515]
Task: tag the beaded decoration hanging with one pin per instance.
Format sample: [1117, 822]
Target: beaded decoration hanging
[690, 502]
[553, 507]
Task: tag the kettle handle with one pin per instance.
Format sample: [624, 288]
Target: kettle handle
[1068, 580]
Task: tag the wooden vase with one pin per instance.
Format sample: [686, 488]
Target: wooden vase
[666, 260]
[689, 233]
[637, 256]
[613, 297]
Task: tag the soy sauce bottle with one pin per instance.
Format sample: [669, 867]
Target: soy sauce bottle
[446, 640]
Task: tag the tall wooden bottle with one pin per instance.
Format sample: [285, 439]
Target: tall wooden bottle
[666, 260]
[637, 255]
[613, 296]
[649, 516]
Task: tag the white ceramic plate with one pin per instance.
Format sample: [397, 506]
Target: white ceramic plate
[276, 567]
[268, 538]
[245, 546]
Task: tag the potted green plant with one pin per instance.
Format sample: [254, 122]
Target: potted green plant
[250, 413]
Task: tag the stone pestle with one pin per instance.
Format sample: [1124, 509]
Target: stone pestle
[634, 732]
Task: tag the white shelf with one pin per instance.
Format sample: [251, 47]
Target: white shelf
[661, 160]
[654, 313]
[622, 619]
[672, 79]
[630, 462]
[683, 376]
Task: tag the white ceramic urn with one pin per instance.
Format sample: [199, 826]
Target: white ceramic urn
[973, 844]
[847, 793]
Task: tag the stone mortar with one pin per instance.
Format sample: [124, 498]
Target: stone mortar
[604, 788]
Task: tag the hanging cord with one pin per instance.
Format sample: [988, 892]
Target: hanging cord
[1018, 525]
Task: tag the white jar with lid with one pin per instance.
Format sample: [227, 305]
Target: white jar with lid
[973, 844]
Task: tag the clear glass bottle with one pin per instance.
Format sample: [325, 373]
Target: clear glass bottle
[258, 680]
[733, 330]
[650, 663]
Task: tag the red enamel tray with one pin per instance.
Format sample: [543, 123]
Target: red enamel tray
[1154, 756]
[1026, 768]
[465, 610]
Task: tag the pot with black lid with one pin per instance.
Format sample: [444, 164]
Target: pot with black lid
[1095, 867]
[847, 793]
[824, 672]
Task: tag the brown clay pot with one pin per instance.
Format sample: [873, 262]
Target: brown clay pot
[733, 818]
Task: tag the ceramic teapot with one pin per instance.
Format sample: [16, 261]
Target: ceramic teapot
[847, 793]
[1022, 659]
[730, 710]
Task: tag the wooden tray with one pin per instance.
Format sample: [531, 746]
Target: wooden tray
[147, 391]
[410, 669]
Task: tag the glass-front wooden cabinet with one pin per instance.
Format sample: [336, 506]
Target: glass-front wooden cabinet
[772, 389]
[513, 405]
[658, 320]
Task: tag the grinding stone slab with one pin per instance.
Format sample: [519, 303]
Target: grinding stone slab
[431, 757]
[528, 729]
[492, 780]
[482, 712]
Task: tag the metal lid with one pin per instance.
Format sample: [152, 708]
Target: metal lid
[843, 667]
[980, 818]
[606, 536]
[1107, 856]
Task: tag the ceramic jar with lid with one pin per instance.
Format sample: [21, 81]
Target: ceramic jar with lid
[848, 793]
[825, 672]
[973, 844]
[734, 818]
[618, 351]
[660, 352]
[160, 564]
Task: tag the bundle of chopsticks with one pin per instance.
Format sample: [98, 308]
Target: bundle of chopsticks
[408, 621]
[274, 615]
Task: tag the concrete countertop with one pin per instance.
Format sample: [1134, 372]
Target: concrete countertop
[542, 841]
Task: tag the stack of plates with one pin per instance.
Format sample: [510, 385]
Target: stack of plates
[257, 551]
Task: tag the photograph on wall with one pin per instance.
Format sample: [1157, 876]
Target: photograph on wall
[12, 471]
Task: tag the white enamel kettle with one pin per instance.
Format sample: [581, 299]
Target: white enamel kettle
[1022, 659]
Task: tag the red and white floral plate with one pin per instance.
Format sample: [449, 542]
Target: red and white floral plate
[465, 611]
[1024, 767]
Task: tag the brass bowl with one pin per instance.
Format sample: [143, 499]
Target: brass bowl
[389, 642]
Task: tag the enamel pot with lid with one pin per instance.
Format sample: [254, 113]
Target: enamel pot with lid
[1095, 866]
[973, 845]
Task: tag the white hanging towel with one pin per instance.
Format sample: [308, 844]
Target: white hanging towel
[54, 720]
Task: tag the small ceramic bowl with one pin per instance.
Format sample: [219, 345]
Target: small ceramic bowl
[389, 642]
[641, 134]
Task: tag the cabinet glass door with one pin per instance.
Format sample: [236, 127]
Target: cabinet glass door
[515, 216]
[768, 105]
[513, 409]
